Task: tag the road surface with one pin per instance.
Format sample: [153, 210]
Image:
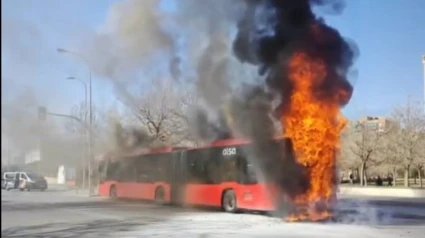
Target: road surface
[61, 214]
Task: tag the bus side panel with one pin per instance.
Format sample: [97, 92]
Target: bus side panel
[104, 188]
[143, 191]
[249, 197]
[203, 194]
[254, 197]
[208, 194]
[124, 189]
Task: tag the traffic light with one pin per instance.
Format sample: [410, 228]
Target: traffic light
[42, 113]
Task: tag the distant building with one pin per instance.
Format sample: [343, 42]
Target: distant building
[379, 123]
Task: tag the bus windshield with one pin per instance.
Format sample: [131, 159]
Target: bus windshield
[250, 173]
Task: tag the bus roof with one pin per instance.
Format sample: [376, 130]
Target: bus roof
[116, 155]
[119, 154]
[232, 142]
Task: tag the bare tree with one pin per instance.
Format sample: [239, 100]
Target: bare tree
[366, 143]
[391, 154]
[347, 159]
[77, 132]
[419, 162]
[112, 118]
[163, 112]
[409, 135]
[74, 127]
[78, 128]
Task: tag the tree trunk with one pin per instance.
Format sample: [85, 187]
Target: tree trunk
[420, 176]
[394, 176]
[415, 179]
[362, 174]
[406, 175]
[358, 175]
[365, 176]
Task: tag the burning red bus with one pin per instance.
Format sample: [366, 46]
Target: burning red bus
[219, 175]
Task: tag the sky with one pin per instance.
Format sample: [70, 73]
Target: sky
[389, 33]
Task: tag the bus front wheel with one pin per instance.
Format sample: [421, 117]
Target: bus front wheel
[229, 202]
[113, 192]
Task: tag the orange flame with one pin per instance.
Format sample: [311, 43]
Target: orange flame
[314, 125]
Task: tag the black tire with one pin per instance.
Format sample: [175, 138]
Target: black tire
[113, 192]
[21, 189]
[43, 189]
[229, 202]
[160, 196]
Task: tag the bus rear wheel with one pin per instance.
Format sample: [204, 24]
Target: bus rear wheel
[159, 196]
[229, 202]
[113, 192]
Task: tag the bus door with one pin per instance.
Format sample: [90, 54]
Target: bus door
[177, 177]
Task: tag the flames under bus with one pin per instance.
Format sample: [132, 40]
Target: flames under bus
[219, 175]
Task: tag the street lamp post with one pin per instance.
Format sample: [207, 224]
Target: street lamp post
[85, 95]
[85, 131]
[61, 50]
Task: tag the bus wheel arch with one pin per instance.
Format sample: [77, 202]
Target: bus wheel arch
[229, 201]
[159, 195]
[113, 191]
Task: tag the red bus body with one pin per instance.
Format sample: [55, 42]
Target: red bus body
[197, 176]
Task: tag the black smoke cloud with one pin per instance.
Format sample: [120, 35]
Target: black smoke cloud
[253, 117]
[209, 129]
[271, 31]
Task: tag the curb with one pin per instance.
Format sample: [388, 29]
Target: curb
[382, 192]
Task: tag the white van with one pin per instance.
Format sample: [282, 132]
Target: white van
[23, 181]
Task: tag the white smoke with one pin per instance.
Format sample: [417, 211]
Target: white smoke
[143, 39]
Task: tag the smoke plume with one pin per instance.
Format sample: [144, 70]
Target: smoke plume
[190, 40]
[271, 31]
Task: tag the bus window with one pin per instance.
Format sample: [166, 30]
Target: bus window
[197, 167]
[162, 164]
[247, 171]
[250, 174]
[227, 168]
[211, 166]
[112, 171]
[125, 171]
[144, 166]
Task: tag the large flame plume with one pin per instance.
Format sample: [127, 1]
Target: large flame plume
[314, 126]
[306, 63]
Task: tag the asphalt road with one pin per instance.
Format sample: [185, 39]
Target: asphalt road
[63, 214]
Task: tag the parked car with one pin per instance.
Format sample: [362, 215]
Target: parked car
[8, 180]
[23, 181]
